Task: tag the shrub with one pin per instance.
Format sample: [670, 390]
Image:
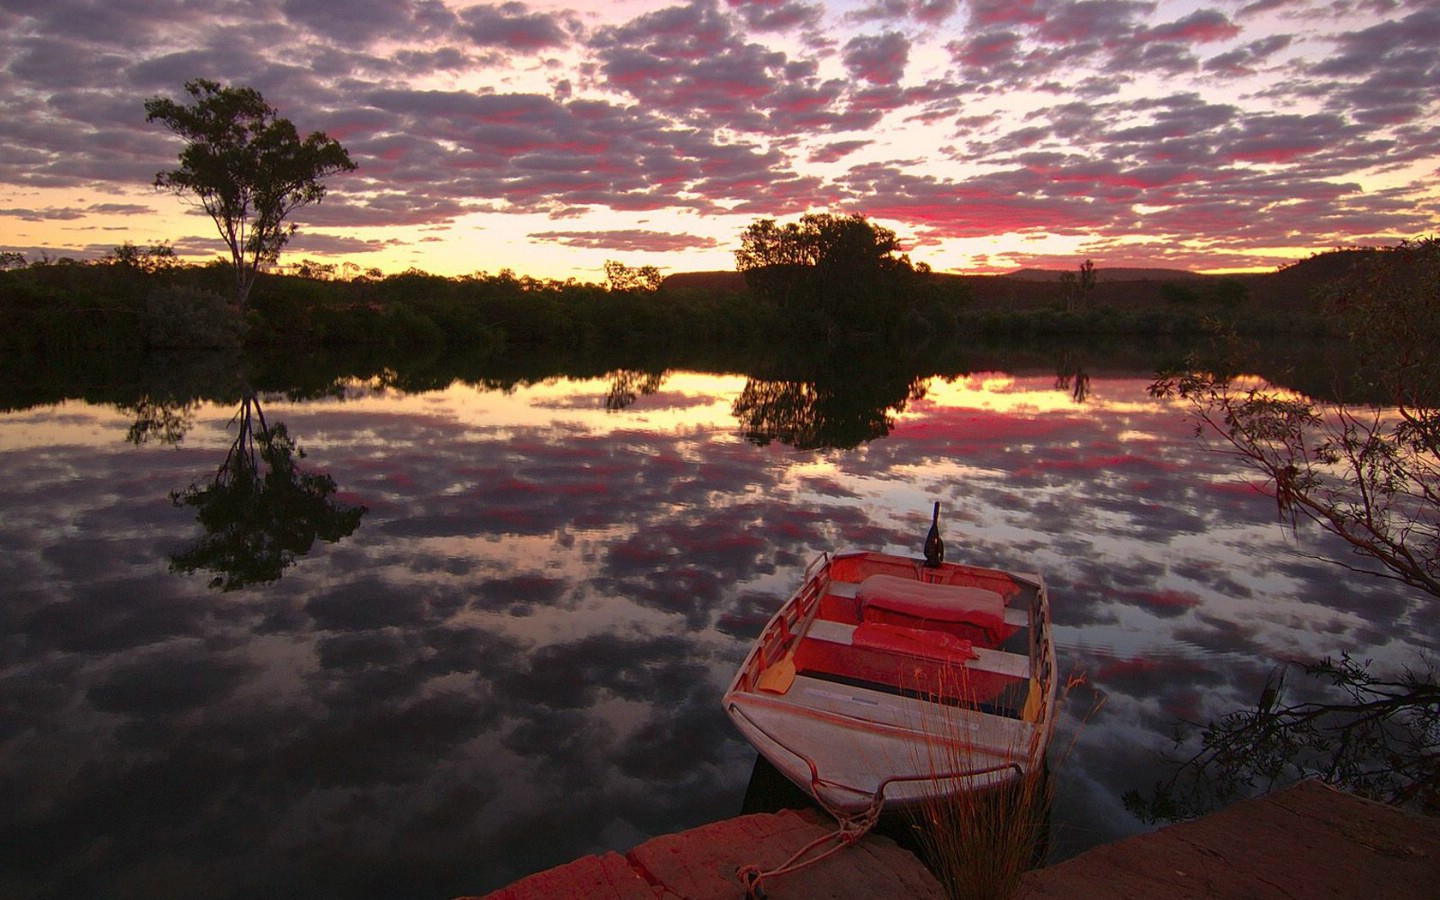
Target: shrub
[188, 317]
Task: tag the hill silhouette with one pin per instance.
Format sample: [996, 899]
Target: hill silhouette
[1107, 274]
[1292, 289]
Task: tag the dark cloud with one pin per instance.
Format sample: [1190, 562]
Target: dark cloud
[169, 683]
[1015, 200]
[878, 59]
[1246, 60]
[575, 675]
[987, 50]
[361, 21]
[108, 620]
[43, 215]
[882, 10]
[324, 244]
[1137, 127]
[777, 15]
[1092, 22]
[362, 606]
[991, 13]
[1262, 6]
[531, 153]
[678, 745]
[519, 595]
[837, 151]
[1385, 71]
[926, 12]
[631, 240]
[1200, 27]
[512, 26]
[690, 62]
[933, 12]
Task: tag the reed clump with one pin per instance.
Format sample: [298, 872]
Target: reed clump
[978, 843]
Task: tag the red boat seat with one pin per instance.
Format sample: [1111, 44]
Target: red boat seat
[890, 598]
[936, 645]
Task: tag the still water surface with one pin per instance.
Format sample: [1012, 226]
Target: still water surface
[516, 657]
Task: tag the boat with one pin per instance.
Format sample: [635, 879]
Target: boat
[885, 682]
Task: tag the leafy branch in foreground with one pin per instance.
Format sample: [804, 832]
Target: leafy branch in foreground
[1370, 476]
[1378, 737]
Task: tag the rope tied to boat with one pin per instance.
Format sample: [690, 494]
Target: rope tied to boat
[850, 828]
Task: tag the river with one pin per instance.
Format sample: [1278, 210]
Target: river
[497, 630]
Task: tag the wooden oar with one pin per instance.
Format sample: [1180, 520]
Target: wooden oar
[779, 675]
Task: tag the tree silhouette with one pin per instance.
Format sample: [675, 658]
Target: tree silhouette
[628, 385]
[161, 419]
[843, 268]
[1076, 287]
[1369, 476]
[1071, 377]
[247, 167]
[1380, 737]
[631, 279]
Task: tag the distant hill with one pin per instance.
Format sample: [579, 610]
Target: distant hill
[1291, 289]
[1103, 274]
[720, 281]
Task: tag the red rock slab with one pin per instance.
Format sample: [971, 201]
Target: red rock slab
[607, 877]
[703, 864]
[1308, 841]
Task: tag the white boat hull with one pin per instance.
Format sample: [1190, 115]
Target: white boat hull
[860, 725]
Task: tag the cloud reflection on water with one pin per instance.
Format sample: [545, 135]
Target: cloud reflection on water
[519, 657]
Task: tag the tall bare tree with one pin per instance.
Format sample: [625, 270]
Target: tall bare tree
[246, 167]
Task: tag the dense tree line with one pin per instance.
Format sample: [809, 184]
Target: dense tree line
[141, 298]
[846, 277]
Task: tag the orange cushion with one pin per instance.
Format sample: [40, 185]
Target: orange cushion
[913, 642]
[936, 602]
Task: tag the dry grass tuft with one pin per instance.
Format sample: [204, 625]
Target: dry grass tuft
[980, 842]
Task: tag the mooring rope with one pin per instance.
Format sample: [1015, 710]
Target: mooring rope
[850, 828]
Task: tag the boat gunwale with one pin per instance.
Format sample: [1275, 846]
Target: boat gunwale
[915, 778]
[792, 623]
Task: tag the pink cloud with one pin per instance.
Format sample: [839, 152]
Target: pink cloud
[1201, 26]
[878, 59]
[626, 240]
[777, 15]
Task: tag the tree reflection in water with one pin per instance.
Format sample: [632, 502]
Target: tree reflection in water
[834, 409]
[260, 513]
[171, 390]
[627, 385]
[1380, 738]
[1071, 377]
[162, 420]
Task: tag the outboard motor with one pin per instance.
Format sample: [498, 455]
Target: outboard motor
[934, 546]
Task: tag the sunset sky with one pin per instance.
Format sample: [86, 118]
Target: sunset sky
[548, 137]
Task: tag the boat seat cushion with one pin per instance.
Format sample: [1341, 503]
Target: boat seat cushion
[880, 595]
[935, 645]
